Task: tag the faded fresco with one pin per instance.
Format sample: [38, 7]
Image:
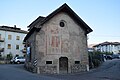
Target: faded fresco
[57, 40]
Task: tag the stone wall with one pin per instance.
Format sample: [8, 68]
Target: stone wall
[78, 68]
[51, 69]
[29, 64]
[53, 42]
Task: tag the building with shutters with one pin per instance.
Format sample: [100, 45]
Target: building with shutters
[11, 41]
[111, 47]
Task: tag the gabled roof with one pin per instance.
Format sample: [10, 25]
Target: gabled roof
[38, 20]
[63, 8]
[71, 13]
[107, 43]
[12, 29]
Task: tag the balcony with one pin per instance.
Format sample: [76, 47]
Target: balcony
[1, 49]
[24, 50]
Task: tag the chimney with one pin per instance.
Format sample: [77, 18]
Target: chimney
[15, 26]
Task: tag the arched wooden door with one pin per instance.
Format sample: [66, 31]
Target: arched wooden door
[63, 65]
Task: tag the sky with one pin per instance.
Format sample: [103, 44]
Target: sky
[103, 16]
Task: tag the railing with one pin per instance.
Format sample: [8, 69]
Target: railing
[24, 50]
[1, 40]
[1, 49]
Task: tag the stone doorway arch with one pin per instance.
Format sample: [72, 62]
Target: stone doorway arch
[63, 65]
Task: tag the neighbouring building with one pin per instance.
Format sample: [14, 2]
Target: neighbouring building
[90, 48]
[57, 43]
[11, 40]
[112, 47]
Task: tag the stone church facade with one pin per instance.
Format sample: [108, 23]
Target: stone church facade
[58, 43]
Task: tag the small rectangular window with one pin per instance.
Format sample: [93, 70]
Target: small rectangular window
[17, 37]
[9, 46]
[77, 62]
[9, 37]
[17, 47]
[48, 62]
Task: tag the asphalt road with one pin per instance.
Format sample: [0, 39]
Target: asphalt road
[109, 70]
[17, 72]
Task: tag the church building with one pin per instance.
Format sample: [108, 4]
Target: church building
[57, 43]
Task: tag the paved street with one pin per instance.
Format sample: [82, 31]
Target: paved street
[109, 70]
[17, 72]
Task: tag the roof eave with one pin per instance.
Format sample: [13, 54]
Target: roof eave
[29, 34]
[69, 11]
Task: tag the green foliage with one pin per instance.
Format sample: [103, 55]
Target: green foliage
[95, 59]
[96, 62]
[107, 53]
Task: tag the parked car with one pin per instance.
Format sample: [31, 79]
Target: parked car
[109, 57]
[116, 56]
[18, 60]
